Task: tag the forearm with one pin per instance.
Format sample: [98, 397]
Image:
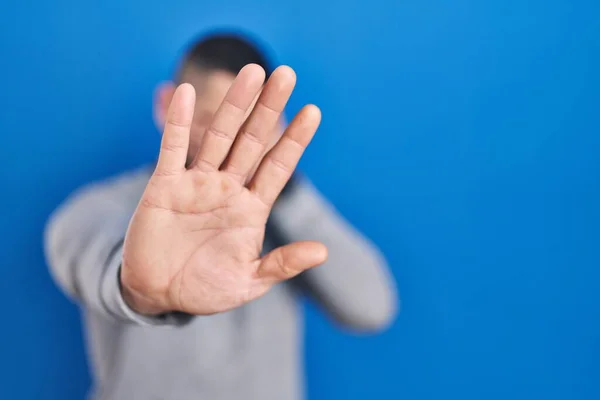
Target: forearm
[83, 245]
[354, 285]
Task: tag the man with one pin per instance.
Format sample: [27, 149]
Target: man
[185, 296]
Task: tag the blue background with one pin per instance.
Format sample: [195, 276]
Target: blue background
[462, 136]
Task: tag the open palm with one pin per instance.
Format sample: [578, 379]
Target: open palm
[194, 242]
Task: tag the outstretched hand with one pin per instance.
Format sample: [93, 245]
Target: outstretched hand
[194, 242]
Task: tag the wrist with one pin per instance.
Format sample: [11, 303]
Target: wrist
[137, 301]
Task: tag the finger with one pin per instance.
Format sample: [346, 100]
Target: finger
[176, 135]
[277, 166]
[229, 117]
[256, 132]
[287, 261]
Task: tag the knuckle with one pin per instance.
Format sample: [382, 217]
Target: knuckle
[270, 109]
[294, 142]
[232, 107]
[173, 147]
[253, 137]
[282, 269]
[279, 164]
[178, 122]
[165, 172]
[204, 165]
[218, 133]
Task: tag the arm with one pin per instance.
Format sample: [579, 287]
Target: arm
[83, 244]
[354, 285]
[193, 244]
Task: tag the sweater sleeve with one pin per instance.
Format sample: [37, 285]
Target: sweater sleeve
[83, 243]
[354, 286]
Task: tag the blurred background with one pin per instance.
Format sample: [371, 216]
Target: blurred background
[462, 136]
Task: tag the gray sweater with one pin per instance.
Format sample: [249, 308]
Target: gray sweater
[253, 352]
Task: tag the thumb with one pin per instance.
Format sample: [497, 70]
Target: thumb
[287, 261]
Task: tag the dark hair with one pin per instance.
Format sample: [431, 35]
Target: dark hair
[226, 52]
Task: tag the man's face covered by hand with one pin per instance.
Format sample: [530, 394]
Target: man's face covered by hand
[211, 88]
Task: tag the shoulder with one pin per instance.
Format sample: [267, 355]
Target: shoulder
[121, 191]
[124, 186]
[127, 187]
